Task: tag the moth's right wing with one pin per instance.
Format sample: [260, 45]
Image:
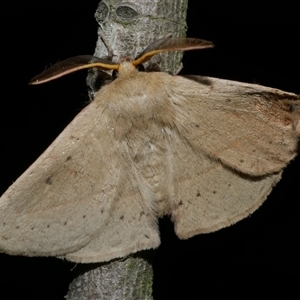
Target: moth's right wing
[250, 128]
[231, 143]
[207, 195]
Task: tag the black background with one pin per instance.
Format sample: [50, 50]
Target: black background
[258, 255]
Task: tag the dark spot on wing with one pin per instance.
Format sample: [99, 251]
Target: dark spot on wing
[214, 192]
[289, 107]
[286, 121]
[84, 216]
[122, 218]
[74, 138]
[142, 213]
[49, 180]
[69, 157]
[147, 236]
[198, 194]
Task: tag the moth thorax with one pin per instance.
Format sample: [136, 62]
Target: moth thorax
[127, 68]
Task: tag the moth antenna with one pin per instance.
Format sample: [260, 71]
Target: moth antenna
[171, 44]
[71, 65]
[80, 62]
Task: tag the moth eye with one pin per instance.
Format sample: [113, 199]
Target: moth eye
[101, 12]
[115, 74]
[141, 68]
[126, 12]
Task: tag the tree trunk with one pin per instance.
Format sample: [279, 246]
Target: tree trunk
[124, 31]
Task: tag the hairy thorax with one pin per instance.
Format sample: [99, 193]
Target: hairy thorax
[137, 102]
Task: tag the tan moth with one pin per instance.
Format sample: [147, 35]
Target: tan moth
[205, 151]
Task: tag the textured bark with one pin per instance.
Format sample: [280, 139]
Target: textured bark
[121, 279]
[127, 29]
[124, 31]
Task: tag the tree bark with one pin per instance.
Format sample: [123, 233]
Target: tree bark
[124, 31]
[130, 278]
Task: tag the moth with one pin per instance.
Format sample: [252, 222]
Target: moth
[204, 151]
